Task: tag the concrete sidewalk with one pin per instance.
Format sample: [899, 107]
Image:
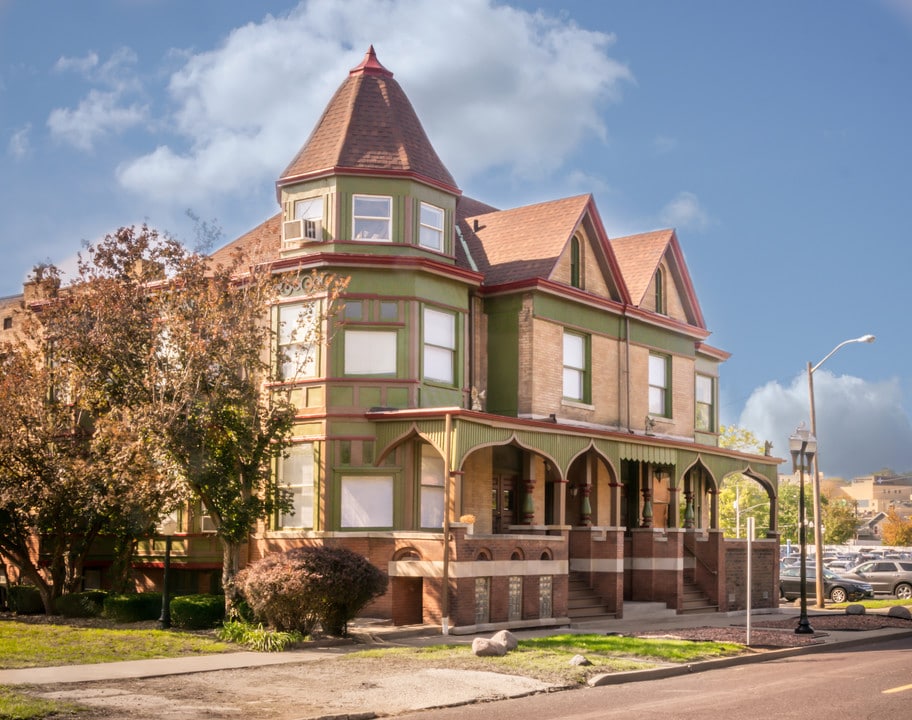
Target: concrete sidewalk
[368, 632]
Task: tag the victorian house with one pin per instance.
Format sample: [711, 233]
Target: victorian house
[516, 417]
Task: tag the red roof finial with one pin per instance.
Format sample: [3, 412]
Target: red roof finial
[370, 65]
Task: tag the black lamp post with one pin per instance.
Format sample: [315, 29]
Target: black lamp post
[167, 528]
[803, 447]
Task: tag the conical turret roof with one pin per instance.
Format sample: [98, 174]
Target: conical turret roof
[369, 126]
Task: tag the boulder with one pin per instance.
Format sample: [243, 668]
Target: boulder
[900, 611]
[855, 609]
[506, 638]
[483, 647]
[579, 660]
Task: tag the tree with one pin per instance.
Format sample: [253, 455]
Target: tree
[181, 346]
[839, 520]
[738, 438]
[896, 530]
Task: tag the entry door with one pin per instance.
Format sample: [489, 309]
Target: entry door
[503, 502]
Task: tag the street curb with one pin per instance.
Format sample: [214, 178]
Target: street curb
[667, 671]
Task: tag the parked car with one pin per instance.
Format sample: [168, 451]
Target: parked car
[893, 577]
[837, 588]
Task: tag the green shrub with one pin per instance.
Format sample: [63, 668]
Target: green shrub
[133, 608]
[81, 604]
[258, 638]
[25, 600]
[294, 590]
[197, 612]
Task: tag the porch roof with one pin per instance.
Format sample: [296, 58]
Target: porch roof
[561, 443]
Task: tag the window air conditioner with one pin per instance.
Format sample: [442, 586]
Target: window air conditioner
[293, 230]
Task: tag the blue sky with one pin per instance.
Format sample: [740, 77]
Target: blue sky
[774, 136]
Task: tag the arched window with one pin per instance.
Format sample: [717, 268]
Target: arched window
[660, 291]
[575, 271]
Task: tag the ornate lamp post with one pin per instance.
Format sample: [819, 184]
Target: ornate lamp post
[803, 447]
[167, 528]
[815, 480]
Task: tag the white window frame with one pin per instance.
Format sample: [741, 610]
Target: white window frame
[439, 355]
[365, 225]
[430, 227]
[297, 339]
[433, 488]
[575, 366]
[659, 378]
[310, 212]
[704, 405]
[371, 352]
[366, 501]
[296, 476]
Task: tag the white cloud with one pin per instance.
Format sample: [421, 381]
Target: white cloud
[685, 213]
[243, 109]
[96, 115]
[101, 111]
[19, 144]
[861, 426]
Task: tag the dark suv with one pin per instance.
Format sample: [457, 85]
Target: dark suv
[837, 588]
[893, 577]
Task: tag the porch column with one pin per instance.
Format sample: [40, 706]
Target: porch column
[528, 506]
[688, 508]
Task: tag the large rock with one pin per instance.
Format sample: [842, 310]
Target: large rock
[855, 609]
[507, 638]
[483, 647]
[900, 611]
[580, 660]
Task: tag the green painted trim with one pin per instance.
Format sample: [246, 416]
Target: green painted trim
[573, 314]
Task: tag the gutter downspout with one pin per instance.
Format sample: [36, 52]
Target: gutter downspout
[627, 365]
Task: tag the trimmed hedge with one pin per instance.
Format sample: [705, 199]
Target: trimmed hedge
[197, 612]
[25, 600]
[133, 608]
[81, 604]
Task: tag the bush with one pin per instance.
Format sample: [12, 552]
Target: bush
[133, 608]
[25, 600]
[258, 638]
[81, 604]
[197, 612]
[294, 590]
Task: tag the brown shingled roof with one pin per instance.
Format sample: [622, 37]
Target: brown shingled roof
[369, 125]
[639, 256]
[261, 244]
[525, 242]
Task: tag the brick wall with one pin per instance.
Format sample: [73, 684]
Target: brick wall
[764, 574]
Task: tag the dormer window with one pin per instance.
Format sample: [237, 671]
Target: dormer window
[372, 218]
[307, 223]
[430, 233]
[659, 292]
[575, 261]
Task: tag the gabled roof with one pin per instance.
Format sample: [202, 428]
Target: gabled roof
[639, 257]
[526, 243]
[369, 126]
[261, 244]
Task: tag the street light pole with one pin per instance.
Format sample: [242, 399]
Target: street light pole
[803, 447]
[815, 480]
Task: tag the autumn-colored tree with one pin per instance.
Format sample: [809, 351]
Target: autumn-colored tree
[181, 346]
[896, 530]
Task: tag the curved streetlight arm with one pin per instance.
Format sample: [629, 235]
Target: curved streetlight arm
[862, 339]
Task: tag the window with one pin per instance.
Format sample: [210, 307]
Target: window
[705, 411]
[439, 346]
[575, 274]
[367, 502]
[575, 366]
[296, 477]
[353, 310]
[7, 323]
[430, 230]
[370, 352]
[373, 218]
[658, 386]
[660, 292]
[297, 340]
[433, 476]
[310, 212]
